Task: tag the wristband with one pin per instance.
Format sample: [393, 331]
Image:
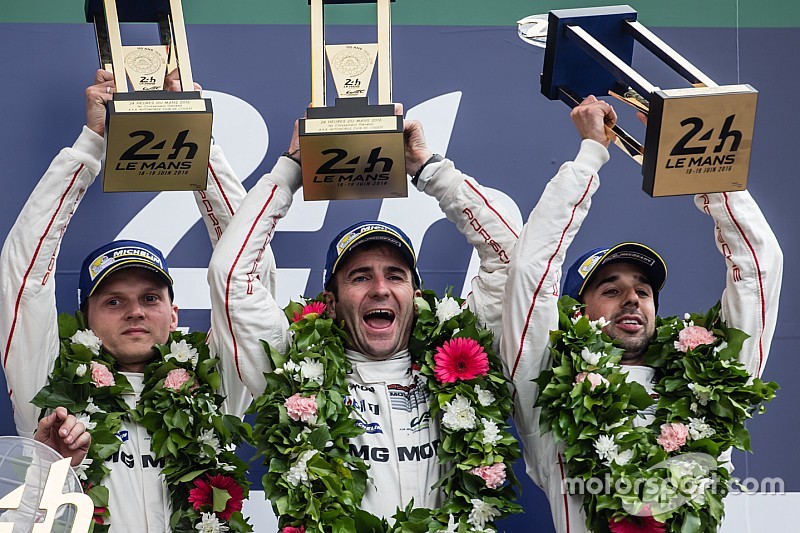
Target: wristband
[435, 158]
[291, 155]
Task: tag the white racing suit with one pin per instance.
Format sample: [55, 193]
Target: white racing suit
[400, 439]
[29, 344]
[749, 302]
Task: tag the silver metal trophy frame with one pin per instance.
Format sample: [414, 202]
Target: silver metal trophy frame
[698, 139]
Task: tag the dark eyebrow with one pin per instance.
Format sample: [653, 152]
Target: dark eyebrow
[359, 270]
[149, 289]
[397, 270]
[368, 270]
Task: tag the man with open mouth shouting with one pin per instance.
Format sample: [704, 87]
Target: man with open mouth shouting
[370, 283]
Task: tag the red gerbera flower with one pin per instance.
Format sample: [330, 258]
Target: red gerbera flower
[314, 308]
[636, 524]
[460, 358]
[293, 529]
[212, 493]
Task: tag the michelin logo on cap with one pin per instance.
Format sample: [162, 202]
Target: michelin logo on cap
[347, 239]
[636, 256]
[103, 262]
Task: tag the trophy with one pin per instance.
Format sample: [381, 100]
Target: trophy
[698, 139]
[352, 149]
[155, 140]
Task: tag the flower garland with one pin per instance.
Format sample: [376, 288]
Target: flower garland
[303, 427]
[180, 409]
[663, 476]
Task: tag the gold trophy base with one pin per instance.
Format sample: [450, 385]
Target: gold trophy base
[353, 151]
[157, 141]
[699, 140]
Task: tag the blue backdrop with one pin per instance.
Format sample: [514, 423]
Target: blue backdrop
[500, 130]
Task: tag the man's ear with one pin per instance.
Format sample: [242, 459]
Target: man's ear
[174, 322]
[417, 294]
[330, 302]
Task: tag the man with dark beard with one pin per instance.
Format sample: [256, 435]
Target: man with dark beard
[619, 287]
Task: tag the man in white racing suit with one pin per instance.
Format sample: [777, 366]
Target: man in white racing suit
[372, 289]
[619, 287]
[29, 341]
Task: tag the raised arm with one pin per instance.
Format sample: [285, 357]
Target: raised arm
[754, 264]
[482, 221]
[244, 310]
[532, 290]
[28, 329]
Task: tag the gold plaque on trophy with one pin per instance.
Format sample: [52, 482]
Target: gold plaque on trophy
[698, 138]
[353, 149]
[155, 140]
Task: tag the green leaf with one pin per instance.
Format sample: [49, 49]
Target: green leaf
[67, 325]
[220, 499]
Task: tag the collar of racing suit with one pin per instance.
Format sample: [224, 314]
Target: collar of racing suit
[395, 368]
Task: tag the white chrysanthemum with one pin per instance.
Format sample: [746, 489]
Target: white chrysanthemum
[481, 513]
[624, 457]
[703, 394]
[491, 433]
[686, 467]
[290, 366]
[226, 467]
[312, 371]
[599, 324]
[485, 397]
[459, 414]
[81, 370]
[299, 472]
[722, 346]
[590, 357]
[84, 419]
[606, 448]
[87, 338]
[447, 308]
[209, 523]
[182, 352]
[698, 429]
[91, 408]
[80, 470]
[208, 438]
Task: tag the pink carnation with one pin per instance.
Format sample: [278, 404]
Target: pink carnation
[594, 378]
[494, 475]
[176, 378]
[673, 436]
[302, 408]
[692, 337]
[310, 311]
[101, 375]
